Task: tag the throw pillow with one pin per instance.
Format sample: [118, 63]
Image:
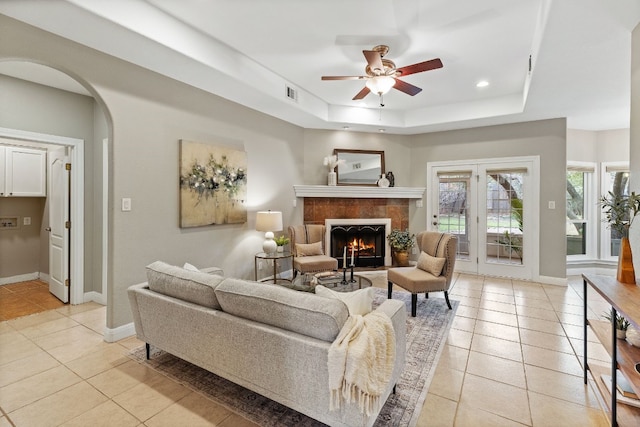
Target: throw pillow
[430, 264]
[357, 302]
[309, 249]
[190, 267]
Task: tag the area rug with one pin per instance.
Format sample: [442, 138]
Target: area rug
[426, 336]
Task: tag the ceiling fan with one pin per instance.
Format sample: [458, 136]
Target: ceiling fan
[382, 74]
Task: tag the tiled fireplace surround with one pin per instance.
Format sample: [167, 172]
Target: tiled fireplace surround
[317, 209]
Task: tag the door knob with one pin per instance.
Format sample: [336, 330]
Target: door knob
[47, 229]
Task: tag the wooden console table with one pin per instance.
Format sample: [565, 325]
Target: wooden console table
[625, 300]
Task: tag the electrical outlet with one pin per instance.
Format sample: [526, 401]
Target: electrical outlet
[26, 220]
[414, 250]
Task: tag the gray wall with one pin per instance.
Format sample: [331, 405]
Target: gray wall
[148, 114]
[320, 143]
[546, 139]
[20, 248]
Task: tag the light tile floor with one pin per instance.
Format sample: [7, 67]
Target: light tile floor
[512, 358]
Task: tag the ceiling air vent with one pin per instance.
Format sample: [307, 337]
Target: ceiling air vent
[292, 93]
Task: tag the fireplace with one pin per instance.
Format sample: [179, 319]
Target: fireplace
[366, 238]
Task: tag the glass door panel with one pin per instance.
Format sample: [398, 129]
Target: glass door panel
[453, 215]
[504, 217]
[454, 211]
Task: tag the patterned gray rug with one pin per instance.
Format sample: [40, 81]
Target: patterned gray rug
[426, 335]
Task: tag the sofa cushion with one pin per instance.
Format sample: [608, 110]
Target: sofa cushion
[309, 249]
[284, 308]
[430, 263]
[192, 286]
[358, 302]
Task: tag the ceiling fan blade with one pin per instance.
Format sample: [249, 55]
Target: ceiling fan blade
[420, 67]
[364, 92]
[343, 77]
[374, 60]
[407, 88]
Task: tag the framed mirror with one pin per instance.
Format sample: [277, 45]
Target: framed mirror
[360, 167]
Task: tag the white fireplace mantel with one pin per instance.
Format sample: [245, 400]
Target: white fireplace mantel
[353, 191]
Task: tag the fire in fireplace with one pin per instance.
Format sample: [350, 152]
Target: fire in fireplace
[366, 242]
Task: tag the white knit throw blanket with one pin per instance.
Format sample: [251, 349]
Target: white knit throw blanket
[361, 362]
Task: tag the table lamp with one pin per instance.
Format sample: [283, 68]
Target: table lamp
[269, 221]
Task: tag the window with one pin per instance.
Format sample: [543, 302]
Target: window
[581, 202]
[615, 178]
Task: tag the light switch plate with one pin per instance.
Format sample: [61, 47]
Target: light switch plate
[26, 220]
[552, 204]
[126, 204]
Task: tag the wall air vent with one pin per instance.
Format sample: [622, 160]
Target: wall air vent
[292, 93]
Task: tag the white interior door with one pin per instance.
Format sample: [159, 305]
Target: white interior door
[488, 206]
[58, 216]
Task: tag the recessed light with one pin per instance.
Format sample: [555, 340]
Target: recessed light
[482, 83]
[345, 127]
[381, 130]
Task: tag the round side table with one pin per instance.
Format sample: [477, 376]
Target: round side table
[277, 259]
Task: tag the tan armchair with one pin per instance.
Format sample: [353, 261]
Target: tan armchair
[311, 258]
[417, 280]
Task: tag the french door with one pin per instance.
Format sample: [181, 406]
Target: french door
[489, 206]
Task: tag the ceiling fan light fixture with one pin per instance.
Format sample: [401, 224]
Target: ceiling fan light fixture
[380, 84]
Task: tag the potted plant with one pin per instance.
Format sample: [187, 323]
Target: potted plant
[281, 241]
[620, 211]
[622, 324]
[401, 242]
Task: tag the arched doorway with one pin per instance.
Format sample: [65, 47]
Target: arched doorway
[89, 240]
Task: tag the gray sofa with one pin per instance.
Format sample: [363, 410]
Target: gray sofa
[269, 339]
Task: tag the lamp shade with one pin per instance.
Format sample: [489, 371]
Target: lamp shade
[269, 221]
[380, 84]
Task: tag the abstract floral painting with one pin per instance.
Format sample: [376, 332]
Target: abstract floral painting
[213, 184]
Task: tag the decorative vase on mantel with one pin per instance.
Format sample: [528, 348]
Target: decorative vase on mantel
[626, 273]
[332, 179]
[383, 182]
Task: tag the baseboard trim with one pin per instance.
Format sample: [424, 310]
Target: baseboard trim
[19, 278]
[94, 296]
[121, 332]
